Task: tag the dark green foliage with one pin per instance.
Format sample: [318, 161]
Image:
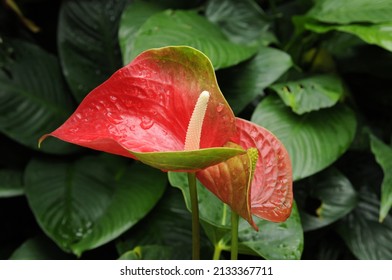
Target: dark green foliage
[315, 73]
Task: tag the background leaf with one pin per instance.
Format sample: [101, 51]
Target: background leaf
[177, 27]
[243, 83]
[85, 204]
[333, 190]
[11, 182]
[39, 248]
[310, 94]
[377, 34]
[88, 45]
[364, 235]
[346, 11]
[244, 22]
[133, 17]
[168, 228]
[383, 154]
[30, 107]
[314, 140]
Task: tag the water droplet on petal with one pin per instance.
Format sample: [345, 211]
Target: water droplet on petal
[113, 98]
[146, 122]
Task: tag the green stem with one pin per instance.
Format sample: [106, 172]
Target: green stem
[195, 216]
[234, 235]
[217, 252]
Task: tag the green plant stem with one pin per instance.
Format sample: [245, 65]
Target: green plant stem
[217, 252]
[195, 216]
[234, 235]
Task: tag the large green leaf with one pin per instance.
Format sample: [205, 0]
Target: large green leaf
[177, 27]
[244, 22]
[346, 11]
[314, 140]
[272, 241]
[168, 227]
[11, 182]
[135, 15]
[33, 95]
[335, 192]
[383, 154]
[310, 94]
[88, 44]
[39, 248]
[244, 82]
[376, 34]
[364, 235]
[89, 202]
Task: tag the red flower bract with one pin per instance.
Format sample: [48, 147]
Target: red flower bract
[143, 112]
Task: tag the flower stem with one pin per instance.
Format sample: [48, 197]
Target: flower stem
[217, 252]
[234, 235]
[195, 216]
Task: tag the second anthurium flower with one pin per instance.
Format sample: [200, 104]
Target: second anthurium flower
[146, 111]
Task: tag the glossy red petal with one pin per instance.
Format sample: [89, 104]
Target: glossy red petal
[146, 106]
[230, 181]
[271, 190]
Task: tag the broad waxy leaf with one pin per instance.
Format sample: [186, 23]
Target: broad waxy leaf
[181, 28]
[146, 106]
[133, 18]
[11, 182]
[244, 82]
[376, 34]
[367, 238]
[348, 11]
[242, 21]
[311, 93]
[314, 140]
[29, 107]
[85, 204]
[285, 240]
[88, 44]
[336, 193]
[383, 154]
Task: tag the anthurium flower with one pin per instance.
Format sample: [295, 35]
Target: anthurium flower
[166, 110]
[257, 183]
[144, 109]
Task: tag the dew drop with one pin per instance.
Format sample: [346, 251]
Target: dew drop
[113, 98]
[146, 122]
[220, 107]
[79, 116]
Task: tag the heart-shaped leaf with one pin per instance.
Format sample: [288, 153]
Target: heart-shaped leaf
[30, 106]
[383, 154]
[336, 193]
[314, 140]
[310, 94]
[135, 15]
[88, 44]
[244, 82]
[89, 202]
[174, 28]
[146, 106]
